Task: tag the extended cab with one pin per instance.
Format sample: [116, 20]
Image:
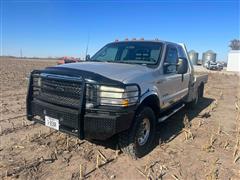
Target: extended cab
[125, 89]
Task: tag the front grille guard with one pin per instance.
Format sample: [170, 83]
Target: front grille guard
[81, 108]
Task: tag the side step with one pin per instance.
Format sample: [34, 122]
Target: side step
[170, 113]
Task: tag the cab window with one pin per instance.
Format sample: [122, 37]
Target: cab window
[109, 53]
[171, 59]
[181, 52]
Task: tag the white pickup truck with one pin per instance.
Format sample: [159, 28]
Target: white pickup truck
[125, 89]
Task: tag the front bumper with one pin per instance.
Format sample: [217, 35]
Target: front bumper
[104, 125]
[97, 124]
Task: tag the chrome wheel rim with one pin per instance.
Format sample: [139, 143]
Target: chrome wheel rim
[144, 131]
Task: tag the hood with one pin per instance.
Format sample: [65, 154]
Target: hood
[116, 71]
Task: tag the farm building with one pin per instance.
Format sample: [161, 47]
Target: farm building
[233, 61]
[234, 56]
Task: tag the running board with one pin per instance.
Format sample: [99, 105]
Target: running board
[161, 119]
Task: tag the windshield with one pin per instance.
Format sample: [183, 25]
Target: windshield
[130, 52]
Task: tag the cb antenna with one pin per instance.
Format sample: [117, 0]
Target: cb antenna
[86, 53]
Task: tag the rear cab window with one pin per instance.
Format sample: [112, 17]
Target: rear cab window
[182, 54]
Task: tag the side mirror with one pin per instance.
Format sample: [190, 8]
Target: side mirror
[87, 57]
[182, 66]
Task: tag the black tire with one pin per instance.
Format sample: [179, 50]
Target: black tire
[201, 91]
[129, 140]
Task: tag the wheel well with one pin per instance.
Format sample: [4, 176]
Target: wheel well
[152, 101]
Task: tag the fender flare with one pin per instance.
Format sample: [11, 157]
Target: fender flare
[151, 99]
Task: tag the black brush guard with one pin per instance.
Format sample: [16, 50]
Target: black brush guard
[69, 114]
[75, 119]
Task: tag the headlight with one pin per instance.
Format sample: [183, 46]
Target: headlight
[111, 96]
[114, 96]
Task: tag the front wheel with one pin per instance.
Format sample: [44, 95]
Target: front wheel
[138, 140]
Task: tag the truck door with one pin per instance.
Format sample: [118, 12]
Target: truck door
[170, 83]
[186, 76]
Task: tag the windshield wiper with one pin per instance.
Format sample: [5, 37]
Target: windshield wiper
[95, 60]
[123, 62]
[127, 62]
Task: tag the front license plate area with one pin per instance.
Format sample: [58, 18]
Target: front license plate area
[52, 122]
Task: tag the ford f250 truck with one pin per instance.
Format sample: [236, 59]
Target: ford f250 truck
[125, 89]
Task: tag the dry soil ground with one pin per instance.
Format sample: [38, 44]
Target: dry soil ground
[193, 144]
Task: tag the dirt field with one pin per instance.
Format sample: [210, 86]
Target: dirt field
[193, 144]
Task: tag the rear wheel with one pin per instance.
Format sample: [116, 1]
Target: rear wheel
[138, 140]
[201, 90]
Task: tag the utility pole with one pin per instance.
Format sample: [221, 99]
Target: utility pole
[86, 53]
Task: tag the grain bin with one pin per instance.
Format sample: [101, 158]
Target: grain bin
[208, 56]
[193, 55]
